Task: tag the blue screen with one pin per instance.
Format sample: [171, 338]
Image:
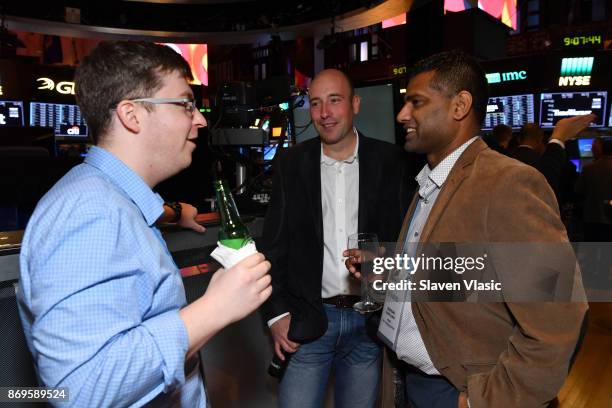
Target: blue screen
[584, 147]
[270, 151]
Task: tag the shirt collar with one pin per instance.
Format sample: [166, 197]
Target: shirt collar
[354, 156]
[429, 179]
[148, 202]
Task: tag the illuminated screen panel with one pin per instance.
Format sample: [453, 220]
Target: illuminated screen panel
[65, 119]
[197, 57]
[513, 110]
[504, 10]
[585, 148]
[556, 106]
[11, 113]
[394, 21]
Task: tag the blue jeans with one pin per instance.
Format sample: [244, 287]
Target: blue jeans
[345, 347]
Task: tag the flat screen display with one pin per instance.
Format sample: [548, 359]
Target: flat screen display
[556, 106]
[270, 151]
[578, 164]
[584, 148]
[512, 110]
[65, 119]
[11, 113]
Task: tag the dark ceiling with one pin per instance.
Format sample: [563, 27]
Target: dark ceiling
[188, 16]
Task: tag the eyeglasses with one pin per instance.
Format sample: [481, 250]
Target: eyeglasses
[188, 104]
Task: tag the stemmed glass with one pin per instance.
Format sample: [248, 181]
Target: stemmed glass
[367, 244]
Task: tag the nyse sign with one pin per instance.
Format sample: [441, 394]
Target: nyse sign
[578, 80]
[63, 87]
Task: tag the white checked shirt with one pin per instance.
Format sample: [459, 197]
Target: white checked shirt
[340, 207]
[409, 345]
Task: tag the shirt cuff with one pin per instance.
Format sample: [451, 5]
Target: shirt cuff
[276, 319]
[170, 336]
[557, 141]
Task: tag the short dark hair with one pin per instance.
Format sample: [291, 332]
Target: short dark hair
[531, 132]
[501, 132]
[118, 70]
[456, 71]
[606, 147]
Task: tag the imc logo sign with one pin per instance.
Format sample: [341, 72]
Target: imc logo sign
[496, 77]
[576, 71]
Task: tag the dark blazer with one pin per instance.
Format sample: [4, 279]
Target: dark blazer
[292, 238]
[551, 164]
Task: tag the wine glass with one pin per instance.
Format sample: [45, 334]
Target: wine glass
[367, 244]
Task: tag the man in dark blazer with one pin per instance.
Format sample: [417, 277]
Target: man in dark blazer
[485, 354]
[550, 158]
[325, 189]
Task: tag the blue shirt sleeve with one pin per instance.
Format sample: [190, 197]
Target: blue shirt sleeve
[103, 302]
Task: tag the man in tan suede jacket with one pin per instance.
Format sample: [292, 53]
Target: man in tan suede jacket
[486, 354]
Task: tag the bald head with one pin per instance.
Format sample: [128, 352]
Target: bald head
[335, 75]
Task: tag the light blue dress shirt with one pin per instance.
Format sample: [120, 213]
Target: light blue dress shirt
[99, 294]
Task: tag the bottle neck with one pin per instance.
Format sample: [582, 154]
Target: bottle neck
[228, 212]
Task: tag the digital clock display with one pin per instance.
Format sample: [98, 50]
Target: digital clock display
[574, 41]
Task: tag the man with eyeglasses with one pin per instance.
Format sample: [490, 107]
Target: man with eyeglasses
[101, 300]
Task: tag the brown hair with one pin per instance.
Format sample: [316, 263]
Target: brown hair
[119, 70]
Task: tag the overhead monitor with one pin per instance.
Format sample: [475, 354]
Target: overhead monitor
[512, 110]
[65, 119]
[556, 106]
[196, 56]
[11, 113]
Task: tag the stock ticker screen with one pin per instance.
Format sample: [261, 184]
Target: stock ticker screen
[512, 110]
[65, 119]
[556, 106]
[11, 113]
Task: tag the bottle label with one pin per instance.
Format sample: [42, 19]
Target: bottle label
[235, 243]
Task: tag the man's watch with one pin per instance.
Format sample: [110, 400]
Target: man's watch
[177, 208]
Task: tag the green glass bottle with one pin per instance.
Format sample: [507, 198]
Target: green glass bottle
[232, 232]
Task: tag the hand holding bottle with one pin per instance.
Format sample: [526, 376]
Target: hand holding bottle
[238, 291]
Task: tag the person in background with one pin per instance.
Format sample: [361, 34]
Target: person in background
[323, 190]
[182, 214]
[500, 139]
[595, 186]
[550, 157]
[597, 148]
[101, 300]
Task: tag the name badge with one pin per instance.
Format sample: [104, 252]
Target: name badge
[393, 309]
